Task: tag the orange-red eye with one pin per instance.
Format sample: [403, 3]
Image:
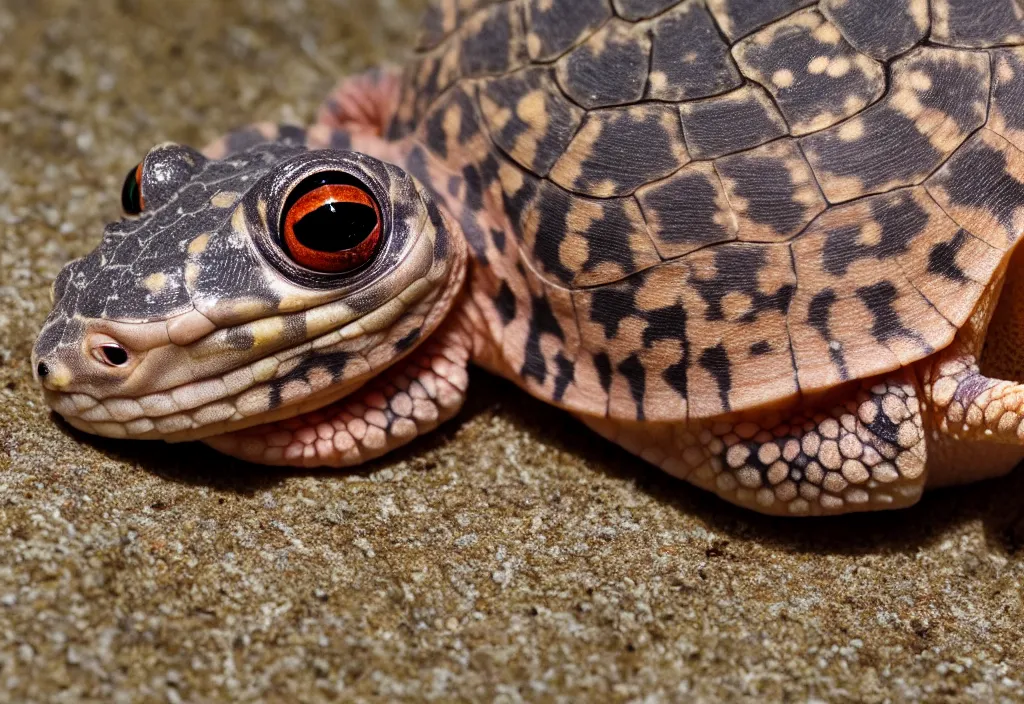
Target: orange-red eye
[333, 228]
[131, 193]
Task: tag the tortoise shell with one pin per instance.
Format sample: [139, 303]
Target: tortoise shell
[680, 209]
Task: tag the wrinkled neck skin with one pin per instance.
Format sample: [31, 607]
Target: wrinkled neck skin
[260, 347]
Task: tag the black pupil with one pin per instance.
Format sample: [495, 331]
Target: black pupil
[131, 194]
[335, 227]
[115, 355]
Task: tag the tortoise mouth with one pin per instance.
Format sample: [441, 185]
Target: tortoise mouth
[310, 373]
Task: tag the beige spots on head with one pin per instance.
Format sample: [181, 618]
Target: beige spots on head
[155, 283]
[224, 199]
[191, 274]
[238, 222]
[659, 80]
[261, 209]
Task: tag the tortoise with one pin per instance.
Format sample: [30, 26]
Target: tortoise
[766, 245]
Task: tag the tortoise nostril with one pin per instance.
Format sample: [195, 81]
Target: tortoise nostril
[42, 370]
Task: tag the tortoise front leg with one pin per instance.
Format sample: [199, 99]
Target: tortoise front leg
[977, 422]
[867, 453]
[408, 400]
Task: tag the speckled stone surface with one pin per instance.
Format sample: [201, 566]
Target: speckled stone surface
[510, 557]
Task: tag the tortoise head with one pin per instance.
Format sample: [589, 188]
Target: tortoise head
[245, 290]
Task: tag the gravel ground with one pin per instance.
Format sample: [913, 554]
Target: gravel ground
[511, 556]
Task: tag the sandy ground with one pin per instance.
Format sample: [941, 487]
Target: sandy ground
[511, 556]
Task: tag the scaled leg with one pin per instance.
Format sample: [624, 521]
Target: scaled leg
[867, 453]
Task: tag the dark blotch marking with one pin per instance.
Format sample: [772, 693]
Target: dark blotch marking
[641, 9]
[632, 369]
[878, 298]
[607, 240]
[759, 349]
[333, 362]
[609, 69]
[552, 210]
[1008, 94]
[740, 120]
[635, 146]
[408, 340]
[900, 218]
[745, 16]
[494, 48]
[715, 361]
[792, 48]
[879, 28]
[610, 305]
[542, 321]
[603, 365]
[977, 177]
[736, 271]
[441, 241]
[469, 124]
[765, 183]
[882, 426]
[692, 56]
[980, 23]
[505, 303]
[669, 323]
[240, 338]
[562, 118]
[563, 23]
[564, 375]
[432, 27]
[682, 209]
[498, 238]
[892, 150]
[819, 315]
[942, 258]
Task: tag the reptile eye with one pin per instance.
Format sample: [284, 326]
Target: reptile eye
[131, 193]
[112, 354]
[331, 227]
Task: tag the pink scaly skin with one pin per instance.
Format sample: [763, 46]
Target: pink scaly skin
[410, 399]
[362, 103]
